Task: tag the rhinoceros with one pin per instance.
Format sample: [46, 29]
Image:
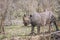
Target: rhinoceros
[38, 19]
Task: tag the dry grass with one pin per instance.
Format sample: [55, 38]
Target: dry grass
[19, 32]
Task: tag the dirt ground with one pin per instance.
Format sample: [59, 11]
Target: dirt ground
[21, 33]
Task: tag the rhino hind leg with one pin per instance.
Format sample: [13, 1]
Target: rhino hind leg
[56, 26]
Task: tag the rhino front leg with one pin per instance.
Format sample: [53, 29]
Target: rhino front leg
[38, 29]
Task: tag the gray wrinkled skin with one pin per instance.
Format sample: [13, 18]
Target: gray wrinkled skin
[41, 18]
[38, 19]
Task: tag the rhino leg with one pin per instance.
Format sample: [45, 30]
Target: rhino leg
[56, 26]
[32, 29]
[38, 29]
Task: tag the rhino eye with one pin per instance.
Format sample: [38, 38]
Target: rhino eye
[30, 15]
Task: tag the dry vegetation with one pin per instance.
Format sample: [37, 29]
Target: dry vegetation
[12, 11]
[21, 33]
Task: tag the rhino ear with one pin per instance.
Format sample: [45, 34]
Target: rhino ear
[30, 15]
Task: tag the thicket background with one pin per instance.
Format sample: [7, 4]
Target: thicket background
[12, 11]
[16, 8]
